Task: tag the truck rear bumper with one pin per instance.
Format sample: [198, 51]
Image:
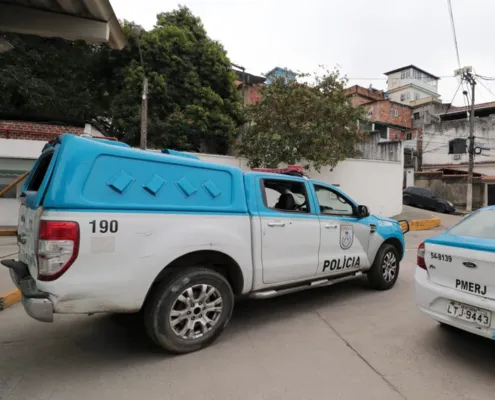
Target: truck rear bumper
[36, 303]
[39, 309]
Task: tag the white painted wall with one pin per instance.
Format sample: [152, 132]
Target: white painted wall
[376, 184]
[395, 81]
[16, 148]
[418, 89]
[9, 210]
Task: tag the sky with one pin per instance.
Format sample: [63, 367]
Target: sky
[364, 38]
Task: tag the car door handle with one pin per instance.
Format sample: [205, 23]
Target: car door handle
[331, 226]
[276, 223]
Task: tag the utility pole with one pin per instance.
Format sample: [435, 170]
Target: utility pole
[144, 115]
[466, 75]
[144, 99]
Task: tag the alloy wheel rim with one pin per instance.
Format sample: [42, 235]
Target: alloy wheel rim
[389, 267]
[196, 311]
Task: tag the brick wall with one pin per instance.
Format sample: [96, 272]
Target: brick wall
[382, 112]
[251, 92]
[360, 95]
[34, 131]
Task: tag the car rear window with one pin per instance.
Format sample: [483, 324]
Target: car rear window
[478, 225]
[40, 172]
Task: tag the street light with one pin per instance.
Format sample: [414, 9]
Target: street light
[144, 99]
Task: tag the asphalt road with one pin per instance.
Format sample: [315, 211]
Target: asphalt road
[343, 342]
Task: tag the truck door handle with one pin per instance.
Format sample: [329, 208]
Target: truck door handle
[331, 226]
[276, 223]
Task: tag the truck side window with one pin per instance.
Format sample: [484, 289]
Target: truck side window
[282, 195]
[332, 203]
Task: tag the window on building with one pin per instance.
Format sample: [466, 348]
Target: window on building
[384, 131]
[457, 146]
[370, 112]
[408, 135]
[416, 116]
[405, 96]
[394, 113]
[405, 74]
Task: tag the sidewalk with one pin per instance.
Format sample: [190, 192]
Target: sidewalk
[413, 213]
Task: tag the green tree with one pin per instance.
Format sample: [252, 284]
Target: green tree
[296, 122]
[50, 78]
[192, 102]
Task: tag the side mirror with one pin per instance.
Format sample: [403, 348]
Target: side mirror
[363, 212]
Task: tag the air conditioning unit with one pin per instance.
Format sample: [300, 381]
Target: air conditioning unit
[457, 156]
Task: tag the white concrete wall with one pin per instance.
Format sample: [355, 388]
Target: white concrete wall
[396, 95]
[9, 210]
[373, 183]
[395, 81]
[16, 148]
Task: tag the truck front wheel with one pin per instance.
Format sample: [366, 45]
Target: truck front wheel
[385, 269]
[189, 310]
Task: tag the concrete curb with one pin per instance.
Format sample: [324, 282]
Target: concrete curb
[9, 298]
[422, 224]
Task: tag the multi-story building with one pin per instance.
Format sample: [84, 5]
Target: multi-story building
[392, 119]
[410, 83]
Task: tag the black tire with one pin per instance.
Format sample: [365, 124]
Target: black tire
[158, 308]
[377, 276]
[406, 201]
[440, 208]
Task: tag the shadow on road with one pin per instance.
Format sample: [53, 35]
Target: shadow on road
[454, 346]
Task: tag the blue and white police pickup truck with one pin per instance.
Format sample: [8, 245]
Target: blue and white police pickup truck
[107, 228]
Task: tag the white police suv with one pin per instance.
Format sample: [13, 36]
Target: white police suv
[455, 277]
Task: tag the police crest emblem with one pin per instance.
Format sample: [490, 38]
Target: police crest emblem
[346, 236]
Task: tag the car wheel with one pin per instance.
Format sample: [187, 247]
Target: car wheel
[189, 310]
[406, 201]
[385, 269]
[440, 208]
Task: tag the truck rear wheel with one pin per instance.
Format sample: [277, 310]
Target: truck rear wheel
[385, 269]
[189, 310]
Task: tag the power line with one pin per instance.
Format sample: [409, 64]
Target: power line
[453, 98]
[385, 78]
[486, 87]
[486, 78]
[453, 32]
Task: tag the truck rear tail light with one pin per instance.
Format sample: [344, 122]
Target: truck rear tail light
[421, 256]
[58, 246]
